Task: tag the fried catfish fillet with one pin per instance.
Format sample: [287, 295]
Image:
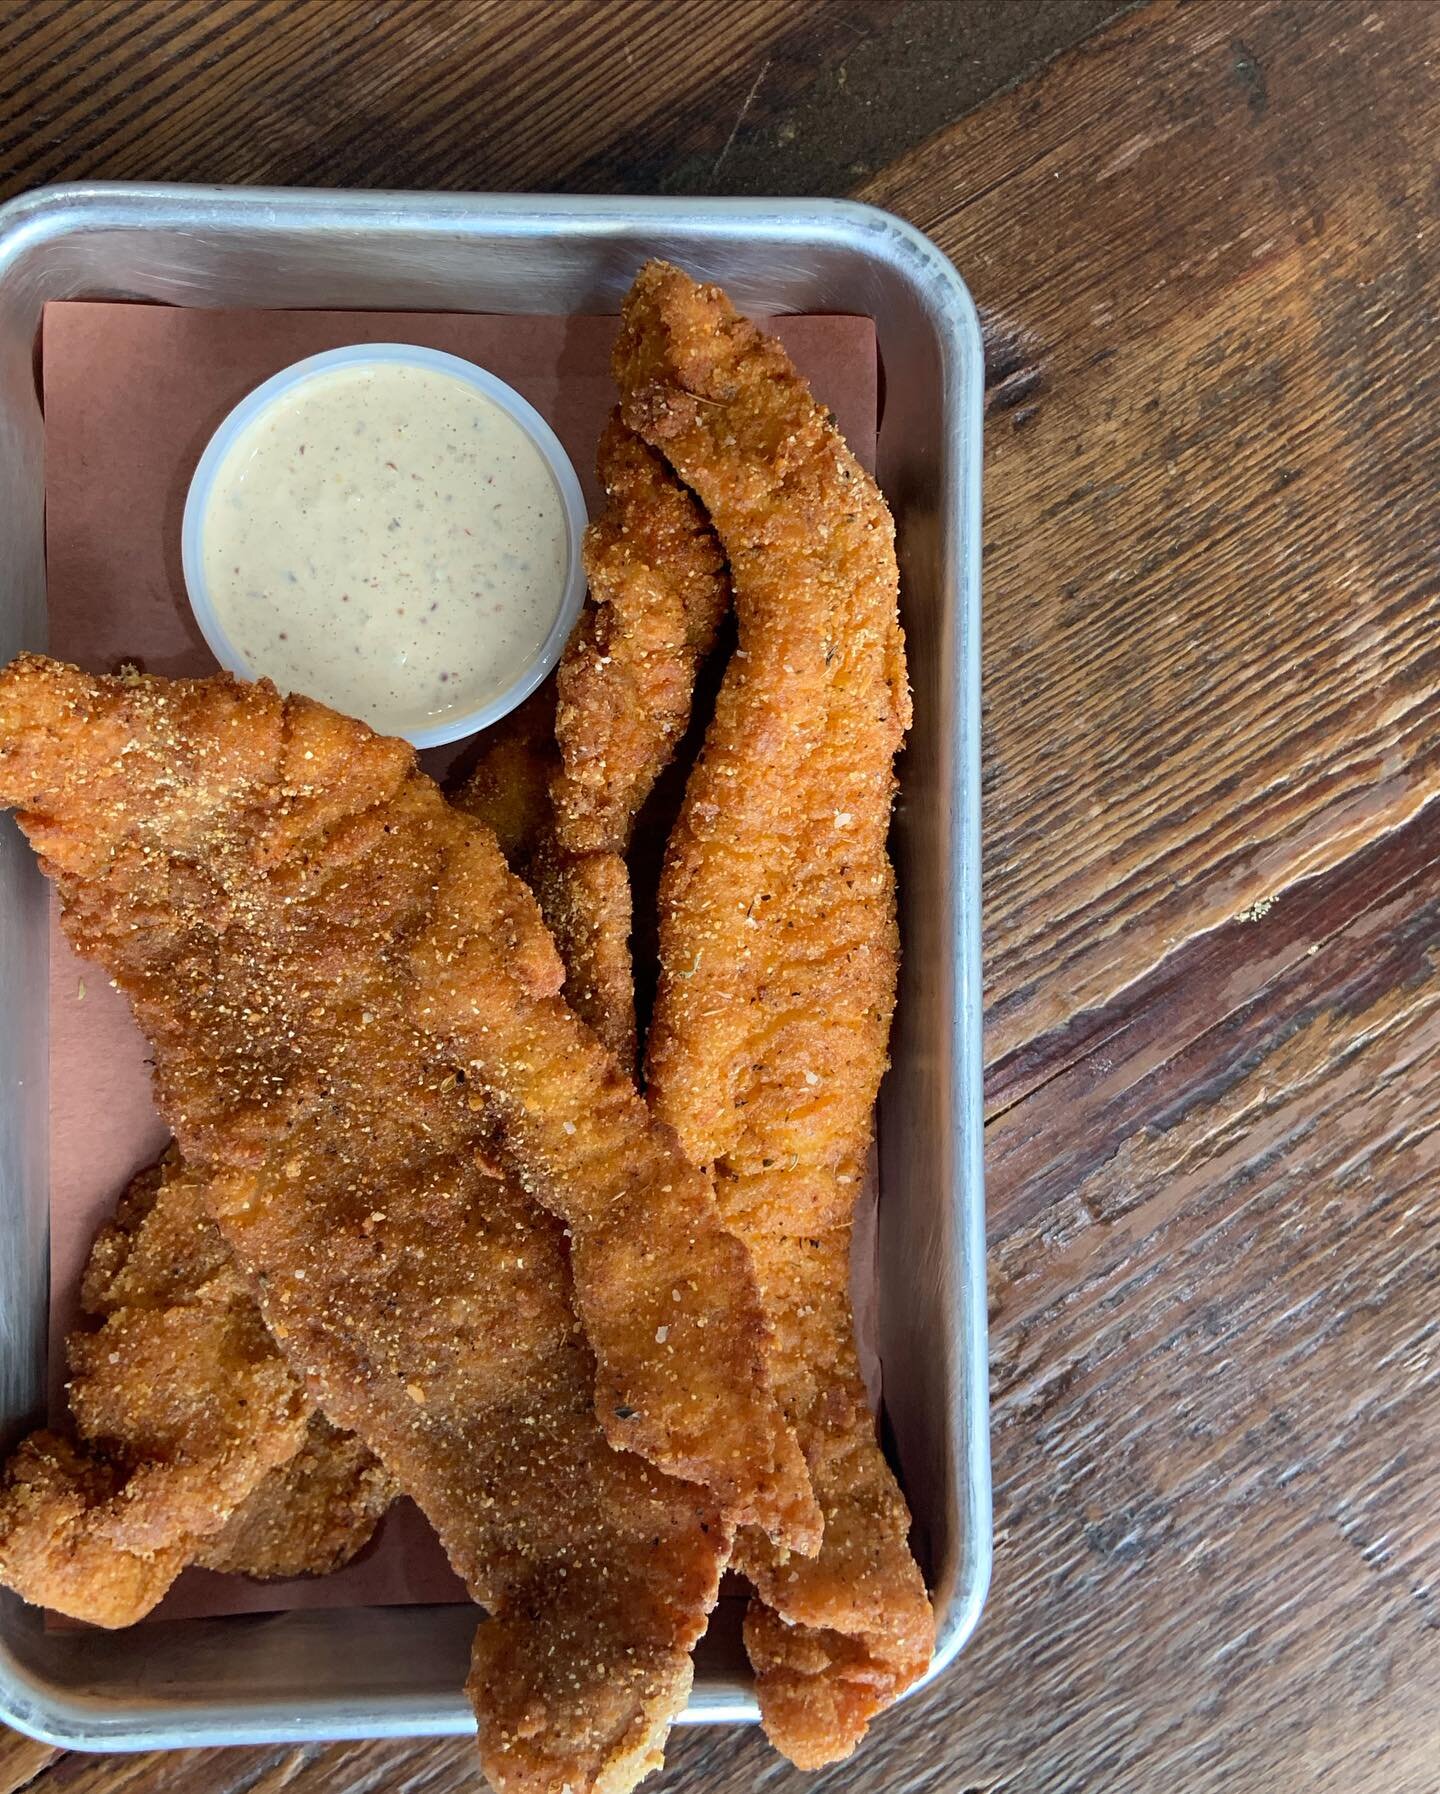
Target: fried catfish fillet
[194, 1442]
[207, 837]
[305, 1516]
[508, 789]
[62, 1514]
[778, 957]
[431, 1302]
[345, 993]
[657, 593]
[309, 1516]
[585, 901]
[182, 1409]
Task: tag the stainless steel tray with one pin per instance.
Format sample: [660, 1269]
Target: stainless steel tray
[399, 1671]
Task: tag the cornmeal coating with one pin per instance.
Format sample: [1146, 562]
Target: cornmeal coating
[351, 1005]
[309, 1516]
[182, 1410]
[779, 950]
[658, 590]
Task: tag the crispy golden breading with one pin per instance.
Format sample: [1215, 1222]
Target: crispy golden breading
[658, 592]
[308, 1517]
[431, 1306]
[778, 957]
[163, 1252]
[59, 1505]
[182, 1408]
[836, 1639]
[347, 995]
[508, 787]
[666, 1295]
[585, 900]
[160, 1249]
[203, 832]
[188, 1424]
[199, 1443]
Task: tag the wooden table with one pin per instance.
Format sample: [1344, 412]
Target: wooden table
[1207, 249]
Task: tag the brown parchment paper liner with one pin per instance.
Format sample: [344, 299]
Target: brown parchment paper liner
[132, 394]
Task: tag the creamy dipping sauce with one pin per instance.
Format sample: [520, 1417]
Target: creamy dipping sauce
[388, 539]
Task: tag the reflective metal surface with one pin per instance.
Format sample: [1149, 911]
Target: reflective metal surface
[399, 1671]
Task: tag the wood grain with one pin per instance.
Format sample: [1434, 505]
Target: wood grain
[632, 96]
[1216, 1376]
[22, 1760]
[1204, 245]
[440, 93]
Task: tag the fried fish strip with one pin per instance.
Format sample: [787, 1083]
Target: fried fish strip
[162, 1251]
[658, 592]
[308, 1517]
[586, 902]
[60, 1507]
[182, 1406]
[191, 1432]
[779, 948]
[311, 938]
[229, 827]
[508, 789]
[312, 1514]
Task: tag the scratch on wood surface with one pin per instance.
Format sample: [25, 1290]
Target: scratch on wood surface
[745, 106]
[1010, 355]
[1132, 150]
[1014, 389]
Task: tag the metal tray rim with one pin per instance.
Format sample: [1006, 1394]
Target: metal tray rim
[83, 207]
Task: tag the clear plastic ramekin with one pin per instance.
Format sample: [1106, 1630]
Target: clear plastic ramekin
[358, 355]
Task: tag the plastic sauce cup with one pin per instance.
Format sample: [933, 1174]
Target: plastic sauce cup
[571, 591]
